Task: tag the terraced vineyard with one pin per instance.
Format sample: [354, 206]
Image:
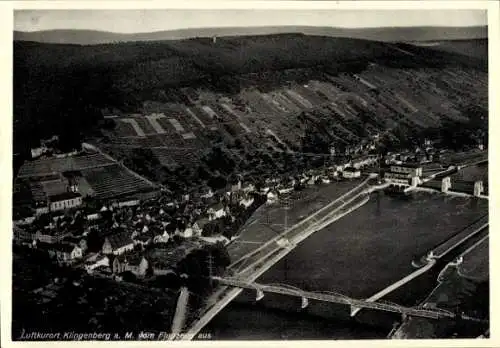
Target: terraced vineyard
[52, 165]
[271, 93]
[114, 180]
[338, 109]
[96, 174]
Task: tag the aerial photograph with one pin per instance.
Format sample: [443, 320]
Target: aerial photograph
[250, 174]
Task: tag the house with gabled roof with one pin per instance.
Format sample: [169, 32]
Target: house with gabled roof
[216, 211]
[51, 235]
[137, 264]
[144, 239]
[161, 238]
[351, 172]
[22, 236]
[66, 253]
[249, 187]
[101, 260]
[131, 262]
[65, 200]
[272, 196]
[80, 242]
[199, 224]
[246, 201]
[118, 243]
[215, 239]
[206, 193]
[235, 185]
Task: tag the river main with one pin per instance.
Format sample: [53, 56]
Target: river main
[358, 255]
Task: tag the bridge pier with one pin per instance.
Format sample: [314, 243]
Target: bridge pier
[260, 295]
[457, 261]
[445, 184]
[415, 181]
[478, 188]
[305, 303]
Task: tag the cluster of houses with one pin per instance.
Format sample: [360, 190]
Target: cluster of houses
[274, 188]
[406, 168]
[48, 193]
[127, 229]
[46, 145]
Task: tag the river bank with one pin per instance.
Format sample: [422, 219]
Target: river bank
[250, 267]
[270, 220]
[463, 287]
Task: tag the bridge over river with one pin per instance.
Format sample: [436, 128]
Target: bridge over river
[283, 289]
[257, 262]
[249, 268]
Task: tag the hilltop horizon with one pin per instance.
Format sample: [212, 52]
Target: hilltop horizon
[388, 34]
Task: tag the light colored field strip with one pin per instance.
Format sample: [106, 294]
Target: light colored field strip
[324, 88]
[406, 102]
[270, 132]
[135, 125]
[208, 110]
[189, 135]
[154, 123]
[287, 102]
[58, 170]
[399, 49]
[272, 103]
[178, 127]
[277, 100]
[299, 98]
[363, 81]
[232, 112]
[192, 114]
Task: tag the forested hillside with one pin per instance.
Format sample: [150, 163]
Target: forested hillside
[63, 90]
[62, 87]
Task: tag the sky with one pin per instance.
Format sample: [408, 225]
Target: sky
[137, 21]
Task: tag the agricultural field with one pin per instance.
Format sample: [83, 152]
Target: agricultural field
[372, 100]
[111, 181]
[97, 175]
[318, 110]
[53, 165]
